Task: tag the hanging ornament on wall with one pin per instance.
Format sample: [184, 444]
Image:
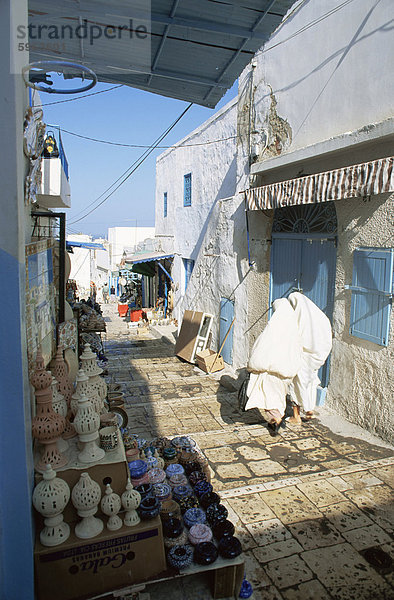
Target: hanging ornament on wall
[47, 426]
[87, 424]
[85, 497]
[50, 498]
[110, 505]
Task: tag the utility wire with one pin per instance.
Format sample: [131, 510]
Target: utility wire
[142, 158]
[85, 137]
[85, 96]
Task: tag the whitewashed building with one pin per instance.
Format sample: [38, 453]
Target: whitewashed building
[314, 167]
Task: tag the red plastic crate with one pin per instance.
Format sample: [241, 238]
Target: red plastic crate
[122, 309]
[135, 315]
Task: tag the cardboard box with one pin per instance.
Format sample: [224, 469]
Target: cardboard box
[209, 361]
[113, 560]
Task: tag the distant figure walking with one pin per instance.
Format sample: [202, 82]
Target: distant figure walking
[105, 293]
[93, 291]
[113, 296]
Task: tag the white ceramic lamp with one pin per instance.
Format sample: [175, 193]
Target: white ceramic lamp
[85, 497]
[50, 498]
[86, 424]
[110, 505]
[130, 501]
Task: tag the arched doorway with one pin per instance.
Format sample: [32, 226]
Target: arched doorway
[303, 257]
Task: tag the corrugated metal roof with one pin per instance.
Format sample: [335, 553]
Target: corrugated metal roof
[146, 257]
[194, 50]
[88, 245]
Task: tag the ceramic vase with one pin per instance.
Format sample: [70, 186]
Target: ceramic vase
[50, 498]
[199, 533]
[230, 547]
[47, 425]
[130, 501]
[205, 553]
[86, 424]
[110, 505]
[83, 389]
[93, 371]
[180, 557]
[65, 387]
[85, 497]
[59, 405]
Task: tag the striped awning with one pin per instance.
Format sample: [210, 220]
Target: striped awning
[365, 179]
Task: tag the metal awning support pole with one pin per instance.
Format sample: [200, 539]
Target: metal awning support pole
[166, 272]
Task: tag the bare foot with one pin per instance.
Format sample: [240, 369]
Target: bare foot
[295, 419]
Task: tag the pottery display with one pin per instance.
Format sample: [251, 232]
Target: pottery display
[109, 438]
[223, 529]
[162, 491]
[174, 469]
[181, 491]
[170, 509]
[84, 389]
[59, 405]
[180, 557]
[205, 553]
[179, 479]
[188, 502]
[47, 425]
[140, 480]
[200, 533]
[137, 468]
[130, 501]
[110, 505]
[178, 541]
[85, 497]
[144, 490]
[193, 516]
[196, 476]
[208, 499]
[65, 387]
[50, 497]
[216, 513]
[149, 508]
[86, 424]
[230, 547]
[202, 487]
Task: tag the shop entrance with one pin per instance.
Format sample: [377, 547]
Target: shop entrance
[303, 257]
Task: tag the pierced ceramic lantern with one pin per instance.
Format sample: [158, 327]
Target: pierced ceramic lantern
[83, 388]
[85, 497]
[86, 424]
[50, 498]
[47, 425]
[130, 501]
[59, 405]
[93, 371]
[65, 387]
[110, 505]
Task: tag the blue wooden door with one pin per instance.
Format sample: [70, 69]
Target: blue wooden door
[226, 318]
[299, 262]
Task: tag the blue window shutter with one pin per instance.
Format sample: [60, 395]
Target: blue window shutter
[372, 287]
[165, 203]
[189, 264]
[187, 190]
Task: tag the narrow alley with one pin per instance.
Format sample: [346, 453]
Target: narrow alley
[312, 508]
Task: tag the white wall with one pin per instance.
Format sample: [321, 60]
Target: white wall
[332, 78]
[213, 169]
[120, 238]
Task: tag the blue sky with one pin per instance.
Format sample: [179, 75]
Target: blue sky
[124, 115]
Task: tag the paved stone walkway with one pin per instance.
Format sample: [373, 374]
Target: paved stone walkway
[314, 511]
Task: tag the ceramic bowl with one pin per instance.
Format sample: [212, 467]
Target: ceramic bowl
[216, 513]
[192, 516]
[230, 547]
[200, 533]
[180, 557]
[205, 553]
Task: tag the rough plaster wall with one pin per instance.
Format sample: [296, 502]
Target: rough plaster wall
[222, 271]
[318, 91]
[362, 373]
[260, 225]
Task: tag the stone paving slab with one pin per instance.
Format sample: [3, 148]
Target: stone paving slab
[307, 505]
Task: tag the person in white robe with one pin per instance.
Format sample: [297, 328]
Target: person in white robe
[316, 335]
[274, 361]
